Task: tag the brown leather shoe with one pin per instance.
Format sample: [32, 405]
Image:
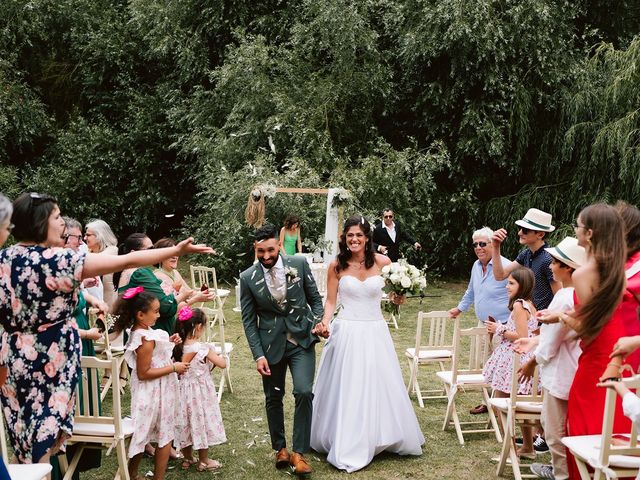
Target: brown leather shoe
[482, 408]
[299, 464]
[282, 458]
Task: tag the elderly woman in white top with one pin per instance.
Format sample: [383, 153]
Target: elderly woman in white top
[100, 239]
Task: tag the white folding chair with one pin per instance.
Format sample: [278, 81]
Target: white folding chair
[222, 348]
[467, 379]
[597, 451]
[320, 277]
[393, 317]
[518, 410]
[107, 350]
[28, 471]
[437, 347]
[92, 429]
[207, 276]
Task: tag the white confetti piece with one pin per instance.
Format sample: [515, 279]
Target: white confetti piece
[256, 419]
[253, 274]
[276, 388]
[251, 463]
[260, 281]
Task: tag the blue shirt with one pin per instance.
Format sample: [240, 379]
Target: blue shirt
[539, 261]
[488, 295]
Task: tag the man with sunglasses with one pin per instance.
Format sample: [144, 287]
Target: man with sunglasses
[388, 235]
[488, 295]
[533, 228]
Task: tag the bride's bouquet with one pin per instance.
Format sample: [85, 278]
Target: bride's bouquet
[400, 279]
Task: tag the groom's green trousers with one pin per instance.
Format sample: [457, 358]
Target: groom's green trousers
[302, 363]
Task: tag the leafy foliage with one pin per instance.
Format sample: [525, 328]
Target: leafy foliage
[455, 114]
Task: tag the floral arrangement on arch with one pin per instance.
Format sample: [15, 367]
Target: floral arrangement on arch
[400, 279]
[341, 197]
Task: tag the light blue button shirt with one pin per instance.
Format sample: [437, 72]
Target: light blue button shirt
[488, 295]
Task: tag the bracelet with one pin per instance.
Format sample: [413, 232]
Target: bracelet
[612, 379]
[619, 367]
[173, 365]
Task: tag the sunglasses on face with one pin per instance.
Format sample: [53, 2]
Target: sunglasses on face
[526, 231]
[388, 216]
[479, 244]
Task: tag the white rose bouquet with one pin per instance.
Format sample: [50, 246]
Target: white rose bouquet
[400, 279]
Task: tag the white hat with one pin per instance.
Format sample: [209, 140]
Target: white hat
[568, 251]
[536, 220]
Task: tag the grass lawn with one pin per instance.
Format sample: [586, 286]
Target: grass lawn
[248, 454]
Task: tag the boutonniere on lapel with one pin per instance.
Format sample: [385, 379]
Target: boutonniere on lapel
[291, 274]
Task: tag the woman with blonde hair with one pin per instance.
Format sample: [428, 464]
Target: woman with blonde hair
[100, 239]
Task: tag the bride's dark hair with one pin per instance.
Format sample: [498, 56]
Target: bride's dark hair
[345, 254]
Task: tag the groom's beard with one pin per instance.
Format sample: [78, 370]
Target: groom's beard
[268, 263]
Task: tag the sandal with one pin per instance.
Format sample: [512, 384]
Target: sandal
[186, 463]
[210, 466]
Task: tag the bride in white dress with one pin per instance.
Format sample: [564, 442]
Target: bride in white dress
[360, 406]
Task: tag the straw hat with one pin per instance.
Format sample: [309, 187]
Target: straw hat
[536, 220]
[568, 251]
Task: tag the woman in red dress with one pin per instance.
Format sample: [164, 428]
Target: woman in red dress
[628, 307]
[599, 284]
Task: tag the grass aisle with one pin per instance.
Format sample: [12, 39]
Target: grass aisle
[248, 454]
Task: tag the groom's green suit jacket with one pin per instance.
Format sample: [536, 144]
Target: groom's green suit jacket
[266, 322]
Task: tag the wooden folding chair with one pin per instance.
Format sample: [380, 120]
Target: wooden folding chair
[207, 276]
[469, 378]
[27, 471]
[437, 347]
[597, 451]
[93, 429]
[222, 348]
[107, 350]
[320, 277]
[518, 410]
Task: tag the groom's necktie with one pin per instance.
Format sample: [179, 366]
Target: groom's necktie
[278, 289]
[279, 293]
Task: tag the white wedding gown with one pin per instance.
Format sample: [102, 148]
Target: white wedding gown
[360, 405]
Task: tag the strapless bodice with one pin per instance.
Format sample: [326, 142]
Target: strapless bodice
[360, 300]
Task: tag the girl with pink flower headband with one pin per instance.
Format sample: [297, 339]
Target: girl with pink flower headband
[154, 379]
[203, 427]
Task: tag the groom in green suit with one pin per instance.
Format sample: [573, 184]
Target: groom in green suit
[280, 309]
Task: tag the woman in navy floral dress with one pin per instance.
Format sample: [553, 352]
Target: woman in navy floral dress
[40, 350]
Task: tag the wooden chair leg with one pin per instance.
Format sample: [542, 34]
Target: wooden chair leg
[450, 406]
[492, 416]
[69, 468]
[506, 447]
[227, 373]
[410, 381]
[123, 467]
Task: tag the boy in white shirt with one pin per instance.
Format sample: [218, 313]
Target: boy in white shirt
[557, 354]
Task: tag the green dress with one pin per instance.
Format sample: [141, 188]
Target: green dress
[290, 243]
[144, 277]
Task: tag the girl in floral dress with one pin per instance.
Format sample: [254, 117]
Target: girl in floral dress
[203, 426]
[154, 379]
[522, 323]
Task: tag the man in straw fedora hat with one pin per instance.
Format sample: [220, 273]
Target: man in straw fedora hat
[557, 354]
[533, 228]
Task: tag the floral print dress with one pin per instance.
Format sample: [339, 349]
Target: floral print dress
[497, 371]
[155, 409]
[40, 345]
[203, 426]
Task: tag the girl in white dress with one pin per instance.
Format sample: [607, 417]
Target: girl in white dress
[360, 406]
[154, 379]
[203, 423]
